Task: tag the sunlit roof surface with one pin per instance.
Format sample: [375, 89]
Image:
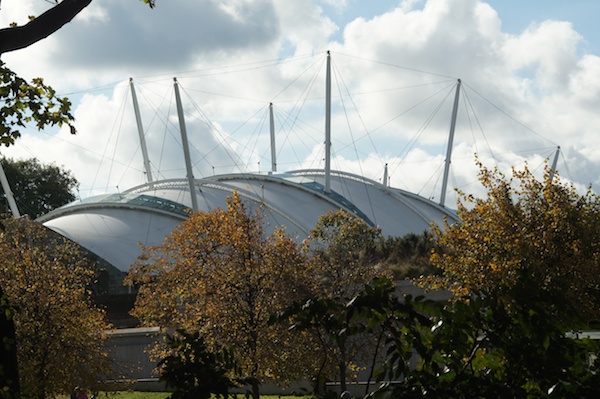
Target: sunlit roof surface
[113, 226]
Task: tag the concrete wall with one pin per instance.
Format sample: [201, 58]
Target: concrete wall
[128, 350]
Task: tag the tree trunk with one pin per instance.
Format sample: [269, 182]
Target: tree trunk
[255, 389]
[374, 361]
[9, 375]
[342, 376]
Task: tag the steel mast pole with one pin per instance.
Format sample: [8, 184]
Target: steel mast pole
[328, 125]
[450, 144]
[186, 147]
[385, 175]
[273, 150]
[140, 127]
[14, 209]
[554, 163]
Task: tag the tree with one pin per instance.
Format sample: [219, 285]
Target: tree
[40, 27]
[34, 102]
[38, 188]
[219, 273]
[193, 371]
[406, 257]
[342, 253]
[9, 376]
[59, 331]
[527, 240]
[474, 349]
[25, 102]
[338, 334]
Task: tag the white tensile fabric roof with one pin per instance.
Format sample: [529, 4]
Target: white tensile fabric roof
[113, 226]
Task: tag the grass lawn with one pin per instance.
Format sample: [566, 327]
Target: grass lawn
[164, 395]
[133, 395]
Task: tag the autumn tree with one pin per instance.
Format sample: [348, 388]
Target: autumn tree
[342, 254]
[23, 102]
[221, 274]
[38, 188]
[9, 376]
[527, 240]
[59, 332]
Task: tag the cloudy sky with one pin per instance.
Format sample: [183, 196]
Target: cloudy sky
[530, 74]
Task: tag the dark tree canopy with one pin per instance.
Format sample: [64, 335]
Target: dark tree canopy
[406, 257]
[37, 188]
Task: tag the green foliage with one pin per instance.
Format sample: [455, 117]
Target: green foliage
[193, 371]
[464, 349]
[327, 319]
[340, 327]
[406, 257]
[477, 349]
[342, 252]
[25, 102]
[38, 188]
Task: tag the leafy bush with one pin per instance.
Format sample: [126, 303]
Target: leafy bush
[193, 371]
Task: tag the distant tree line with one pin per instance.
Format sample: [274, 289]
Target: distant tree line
[407, 257]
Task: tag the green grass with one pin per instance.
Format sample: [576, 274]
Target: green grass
[133, 395]
[164, 395]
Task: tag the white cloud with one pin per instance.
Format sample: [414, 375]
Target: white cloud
[338, 5]
[550, 49]
[94, 15]
[523, 93]
[304, 27]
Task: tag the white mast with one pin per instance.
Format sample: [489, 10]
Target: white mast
[273, 151]
[140, 127]
[328, 125]
[554, 163]
[9, 194]
[450, 144]
[186, 147]
[385, 175]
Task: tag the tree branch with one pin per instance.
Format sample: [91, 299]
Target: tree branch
[19, 37]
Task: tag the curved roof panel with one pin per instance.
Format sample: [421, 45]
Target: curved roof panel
[112, 226]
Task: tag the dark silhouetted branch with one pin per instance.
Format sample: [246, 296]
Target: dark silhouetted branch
[19, 37]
